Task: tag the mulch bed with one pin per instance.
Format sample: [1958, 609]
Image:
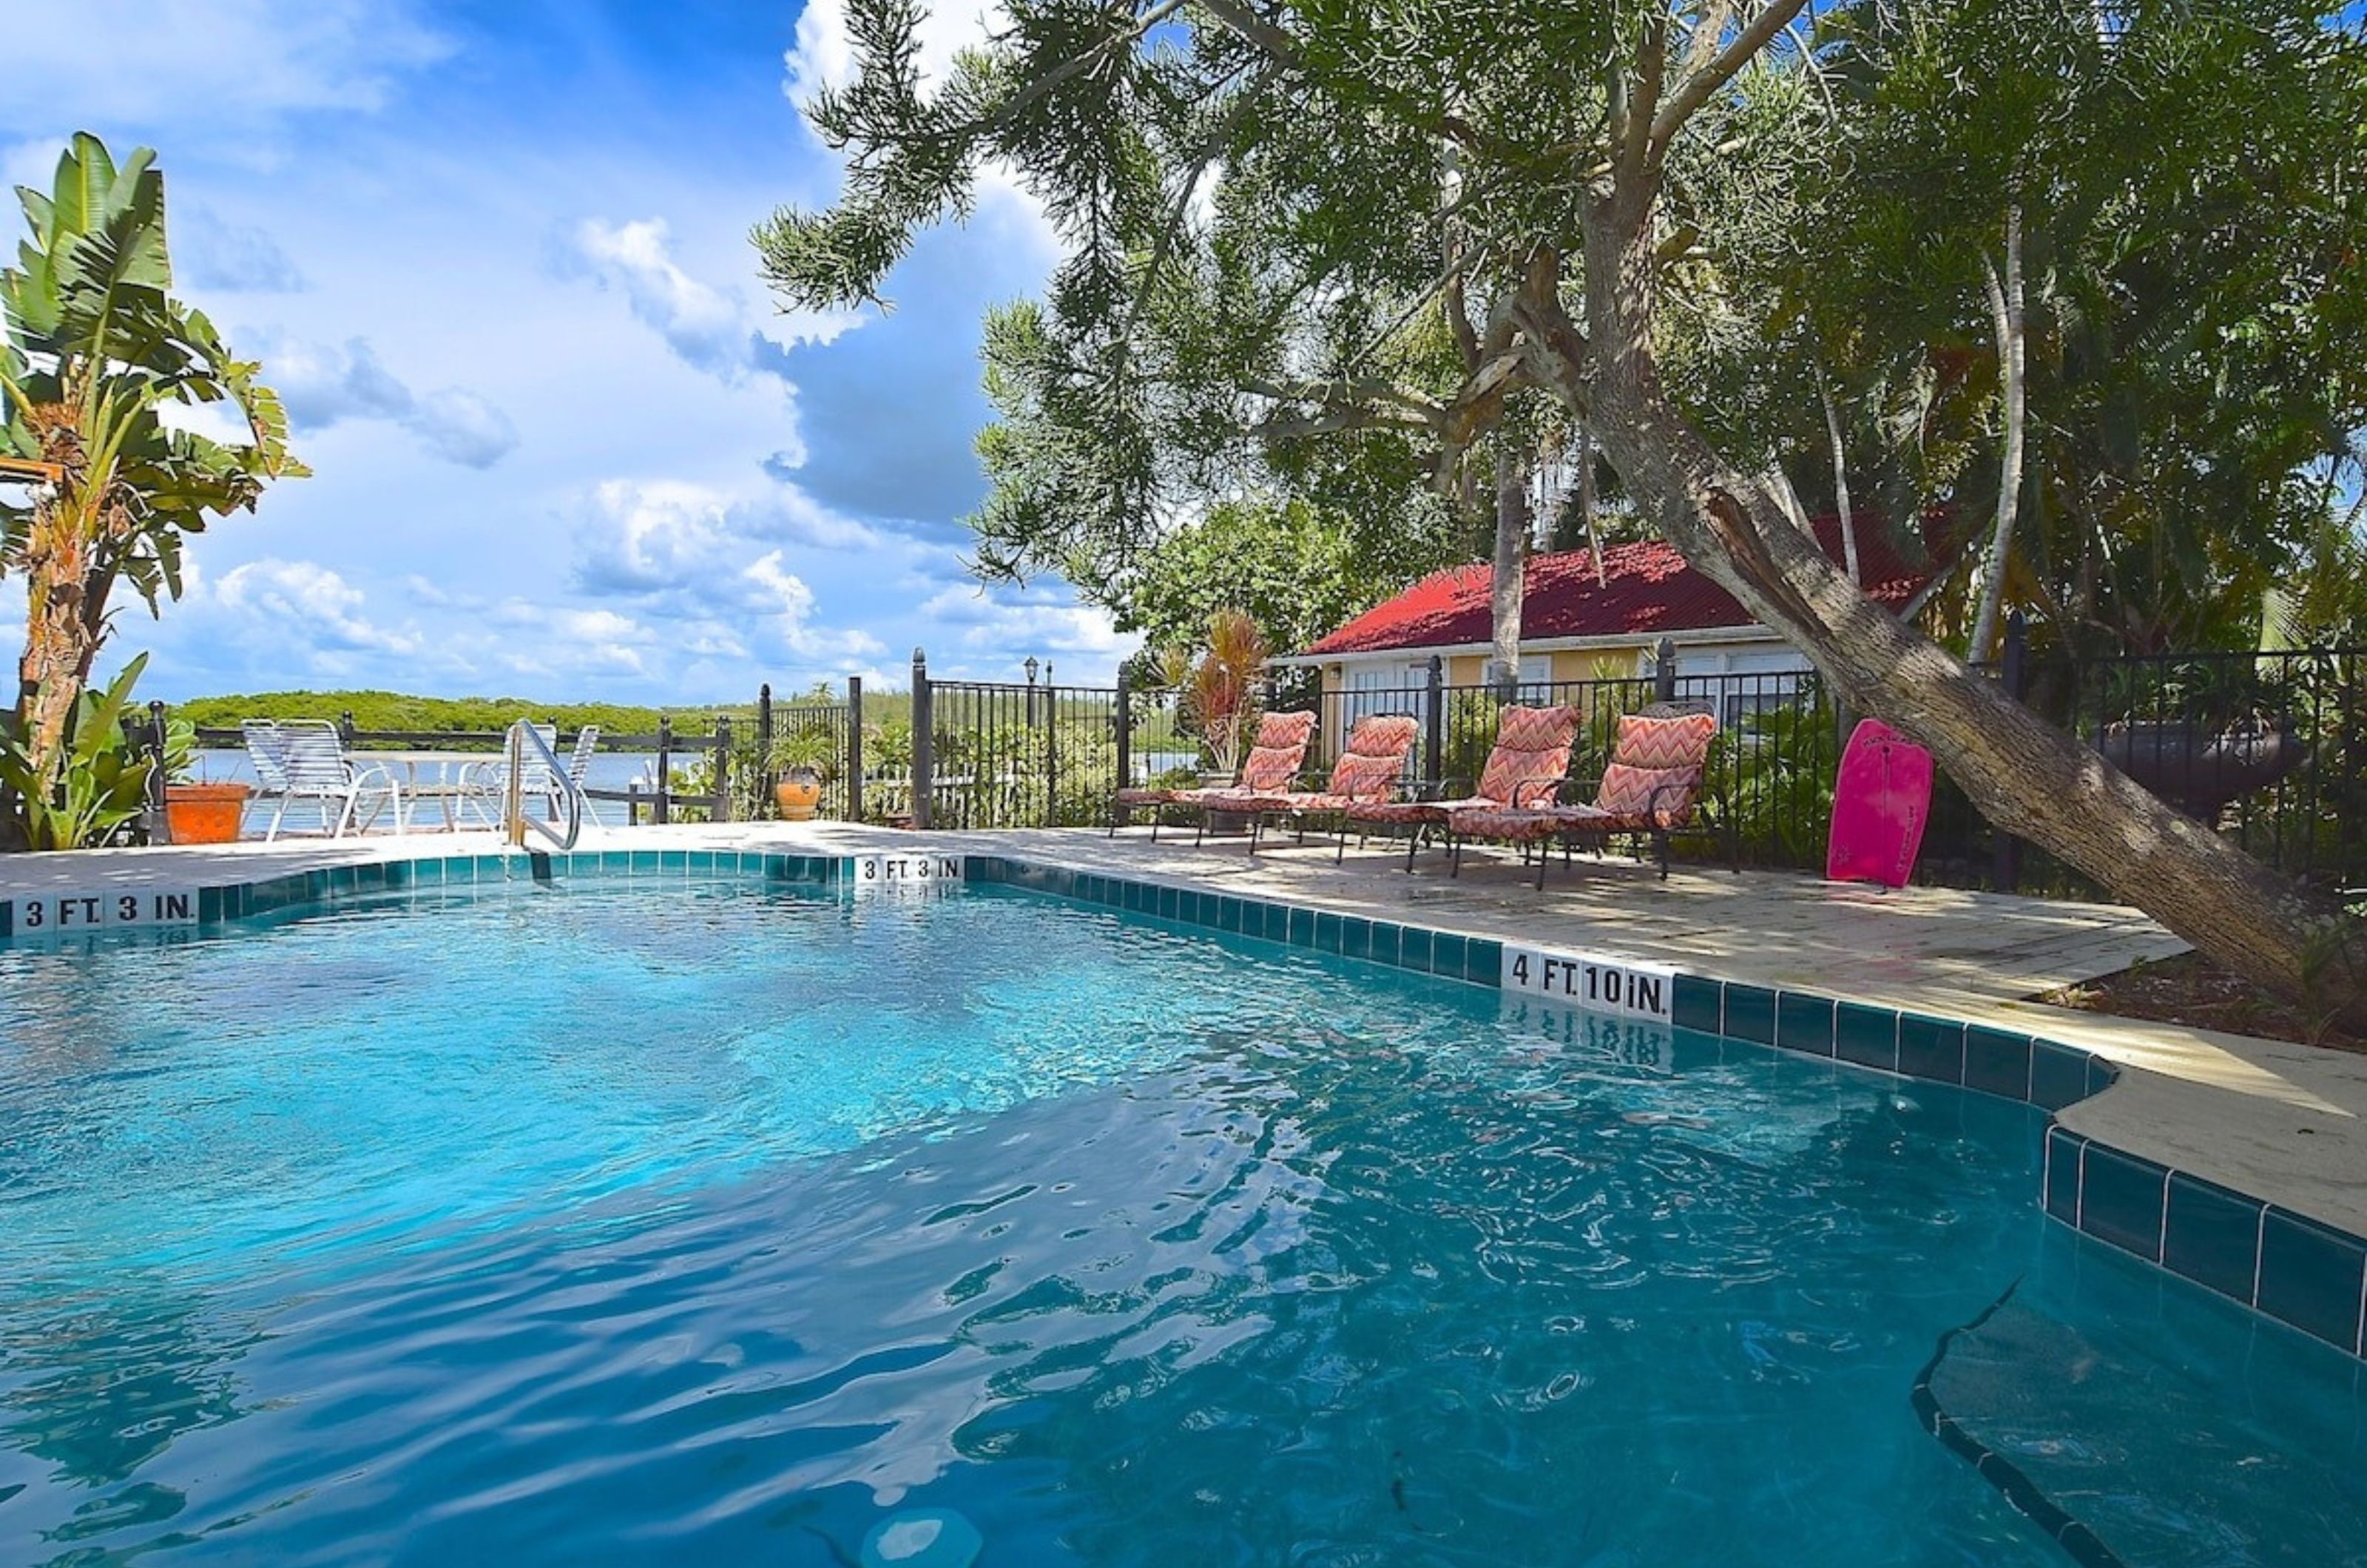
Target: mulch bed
[2192, 990]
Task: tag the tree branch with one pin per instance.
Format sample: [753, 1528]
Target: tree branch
[1696, 89]
[1253, 30]
[1651, 61]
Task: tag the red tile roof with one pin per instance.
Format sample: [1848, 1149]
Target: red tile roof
[1648, 590]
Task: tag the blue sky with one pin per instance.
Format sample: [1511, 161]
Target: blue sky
[495, 257]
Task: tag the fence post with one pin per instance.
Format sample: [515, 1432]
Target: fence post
[658, 813]
[159, 825]
[2005, 850]
[1051, 752]
[1434, 721]
[855, 748]
[764, 780]
[923, 739]
[1664, 671]
[721, 810]
[1125, 722]
[346, 729]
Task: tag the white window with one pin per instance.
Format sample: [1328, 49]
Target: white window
[1381, 687]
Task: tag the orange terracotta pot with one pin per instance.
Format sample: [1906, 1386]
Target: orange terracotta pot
[204, 813]
[797, 795]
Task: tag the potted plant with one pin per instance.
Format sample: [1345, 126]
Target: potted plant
[1219, 700]
[805, 758]
[197, 812]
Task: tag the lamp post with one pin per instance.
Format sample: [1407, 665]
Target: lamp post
[1030, 668]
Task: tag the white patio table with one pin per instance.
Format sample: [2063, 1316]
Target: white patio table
[431, 776]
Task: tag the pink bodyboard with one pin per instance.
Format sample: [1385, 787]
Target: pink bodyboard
[1881, 797]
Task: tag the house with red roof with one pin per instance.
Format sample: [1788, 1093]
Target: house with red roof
[1577, 623]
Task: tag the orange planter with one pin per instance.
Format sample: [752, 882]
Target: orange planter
[204, 813]
[797, 795]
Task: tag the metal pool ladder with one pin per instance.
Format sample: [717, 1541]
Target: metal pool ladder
[524, 744]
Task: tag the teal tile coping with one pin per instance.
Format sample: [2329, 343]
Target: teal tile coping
[2281, 1264]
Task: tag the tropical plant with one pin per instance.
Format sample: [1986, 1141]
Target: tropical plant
[94, 351]
[95, 786]
[806, 748]
[1219, 695]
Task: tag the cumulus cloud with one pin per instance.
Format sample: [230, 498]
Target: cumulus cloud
[307, 603]
[1031, 621]
[461, 427]
[709, 328]
[322, 384]
[714, 565]
[216, 66]
[232, 258]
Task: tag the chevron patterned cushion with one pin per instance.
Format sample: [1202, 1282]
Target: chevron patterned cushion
[1627, 793]
[1375, 757]
[1270, 768]
[1358, 777]
[1276, 730]
[1532, 752]
[1681, 742]
[1144, 797]
[1502, 822]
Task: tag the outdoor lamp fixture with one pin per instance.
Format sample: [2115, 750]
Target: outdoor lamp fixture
[1031, 669]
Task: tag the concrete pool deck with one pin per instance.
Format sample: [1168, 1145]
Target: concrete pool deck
[2278, 1120]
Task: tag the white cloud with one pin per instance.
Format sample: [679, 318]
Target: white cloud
[461, 427]
[322, 384]
[213, 65]
[233, 258]
[712, 329]
[711, 564]
[1034, 622]
[304, 604]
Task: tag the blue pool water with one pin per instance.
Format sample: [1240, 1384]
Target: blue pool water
[726, 1222]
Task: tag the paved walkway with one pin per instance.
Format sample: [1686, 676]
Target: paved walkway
[2281, 1121]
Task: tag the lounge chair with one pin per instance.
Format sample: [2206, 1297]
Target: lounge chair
[308, 758]
[1367, 771]
[1651, 786]
[1274, 759]
[1525, 768]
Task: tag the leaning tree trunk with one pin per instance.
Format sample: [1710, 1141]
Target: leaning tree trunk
[2025, 776]
[1505, 588]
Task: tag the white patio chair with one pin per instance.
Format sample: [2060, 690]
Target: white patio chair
[587, 742]
[312, 761]
[484, 786]
[262, 753]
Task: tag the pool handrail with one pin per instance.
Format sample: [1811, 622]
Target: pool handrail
[522, 739]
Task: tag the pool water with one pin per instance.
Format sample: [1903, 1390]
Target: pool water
[729, 1222]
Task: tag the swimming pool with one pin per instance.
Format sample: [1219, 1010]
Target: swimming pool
[730, 1220]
